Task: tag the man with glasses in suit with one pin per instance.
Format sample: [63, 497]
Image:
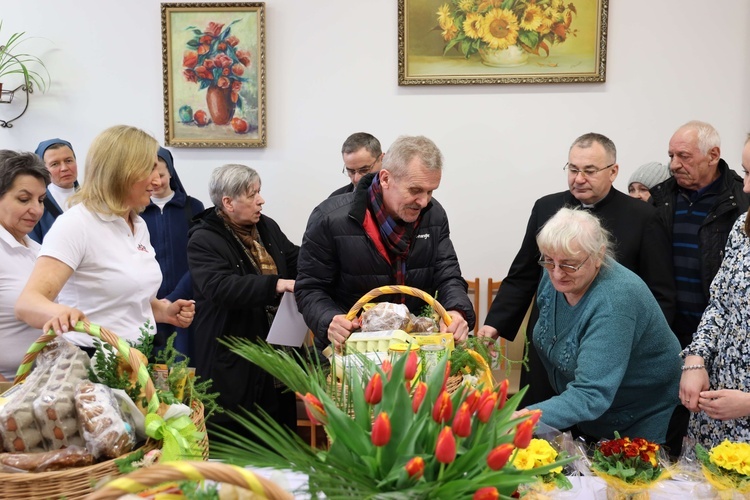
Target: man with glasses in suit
[639, 245]
[362, 155]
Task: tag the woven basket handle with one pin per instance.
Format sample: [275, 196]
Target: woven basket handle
[398, 289]
[107, 336]
[179, 471]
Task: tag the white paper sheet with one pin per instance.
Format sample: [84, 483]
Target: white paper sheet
[288, 327]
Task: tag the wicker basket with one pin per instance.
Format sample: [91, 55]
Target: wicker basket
[78, 482]
[180, 471]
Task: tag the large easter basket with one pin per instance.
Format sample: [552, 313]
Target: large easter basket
[338, 390]
[78, 482]
[195, 471]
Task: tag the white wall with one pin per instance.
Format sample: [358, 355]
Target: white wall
[332, 70]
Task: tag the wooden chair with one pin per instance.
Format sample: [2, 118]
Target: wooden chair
[473, 292]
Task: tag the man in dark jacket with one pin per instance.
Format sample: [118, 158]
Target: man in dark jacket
[697, 208]
[388, 232]
[362, 155]
[639, 245]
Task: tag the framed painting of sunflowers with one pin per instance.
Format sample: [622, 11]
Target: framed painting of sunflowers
[213, 57]
[460, 42]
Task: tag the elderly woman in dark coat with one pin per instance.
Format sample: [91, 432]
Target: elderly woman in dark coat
[241, 262]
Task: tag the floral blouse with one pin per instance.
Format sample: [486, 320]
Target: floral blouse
[723, 339]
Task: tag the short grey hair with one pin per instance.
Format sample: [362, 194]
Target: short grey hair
[586, 140]
[231, 180]
[405, 148]
[708, 136]
[571, 226]
[360, 140]
[13, 164]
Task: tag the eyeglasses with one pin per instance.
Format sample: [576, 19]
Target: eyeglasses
[566, 268]
[359, 171]
[586, 172]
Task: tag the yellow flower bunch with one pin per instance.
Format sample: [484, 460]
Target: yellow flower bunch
[539, 453]
[732, 456]
[474, 25]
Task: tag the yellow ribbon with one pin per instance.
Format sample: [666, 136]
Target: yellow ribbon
[178, 435]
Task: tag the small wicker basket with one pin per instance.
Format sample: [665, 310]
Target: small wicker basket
[196, 471]
[76, 483]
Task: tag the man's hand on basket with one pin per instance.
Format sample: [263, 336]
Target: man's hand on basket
[458, 327]
[65, 320]
[340, 329]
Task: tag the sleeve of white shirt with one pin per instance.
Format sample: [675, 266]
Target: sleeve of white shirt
[66, 239]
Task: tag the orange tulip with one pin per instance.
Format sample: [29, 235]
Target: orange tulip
[487, 407]
[374, 389]
[415, 467]
[443, 409]
[498, 457]
[535, 416]
[524, 432]
[381, 429]
[462, 421]
[419, 392]
[411, 365]
[502, 394]
[387, 367]
[473, 400]
[486, 493]
[314, 409]
[445, 450]
[447, 373]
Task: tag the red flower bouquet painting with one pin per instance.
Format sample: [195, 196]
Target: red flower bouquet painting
[214, 77]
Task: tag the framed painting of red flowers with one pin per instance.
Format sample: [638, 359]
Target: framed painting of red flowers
[462, 42]
[214, 74]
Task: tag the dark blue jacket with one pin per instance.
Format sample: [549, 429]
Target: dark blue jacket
[169, 236]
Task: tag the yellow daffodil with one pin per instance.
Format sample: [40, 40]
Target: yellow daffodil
[500, 28]
[532, 18]
[473, 25]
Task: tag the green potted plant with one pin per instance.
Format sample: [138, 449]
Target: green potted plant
[14, 62]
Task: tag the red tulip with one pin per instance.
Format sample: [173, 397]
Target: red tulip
[374, 389]
[443, 409]
[487, 407]
[381, 429]
[190, 59]
[387, 367]
[314, 409]
[486, 493]
[232, 40]
[524, 432]
[445, 450]
[499, 456]
[244, 57]
[462, 421]
[238, 69]
[415, 467]
[419, 392]
[502, 394]
[535, 416]
[411, 365]
[473, 400]
[214, 29]
[447, 373]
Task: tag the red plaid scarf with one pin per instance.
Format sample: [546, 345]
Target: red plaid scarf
[396, 235]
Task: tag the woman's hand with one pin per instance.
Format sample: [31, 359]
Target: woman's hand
[725, 404]
[488, 331]
[284, 286]
[65, 320]
[692, 383]
[179, 313]
[458, 327]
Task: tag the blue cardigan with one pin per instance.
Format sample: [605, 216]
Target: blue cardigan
[611, 358]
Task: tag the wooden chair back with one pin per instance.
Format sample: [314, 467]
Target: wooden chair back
[474, 296]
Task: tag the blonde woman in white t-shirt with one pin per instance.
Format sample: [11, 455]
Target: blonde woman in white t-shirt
[23, 187]
[97, 259]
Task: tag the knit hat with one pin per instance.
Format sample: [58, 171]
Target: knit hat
[650, 174]
[44, 146]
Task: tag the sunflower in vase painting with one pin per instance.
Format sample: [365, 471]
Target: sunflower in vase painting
[215, 61]
[504, 32]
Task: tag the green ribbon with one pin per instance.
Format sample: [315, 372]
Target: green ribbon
[179, 437]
